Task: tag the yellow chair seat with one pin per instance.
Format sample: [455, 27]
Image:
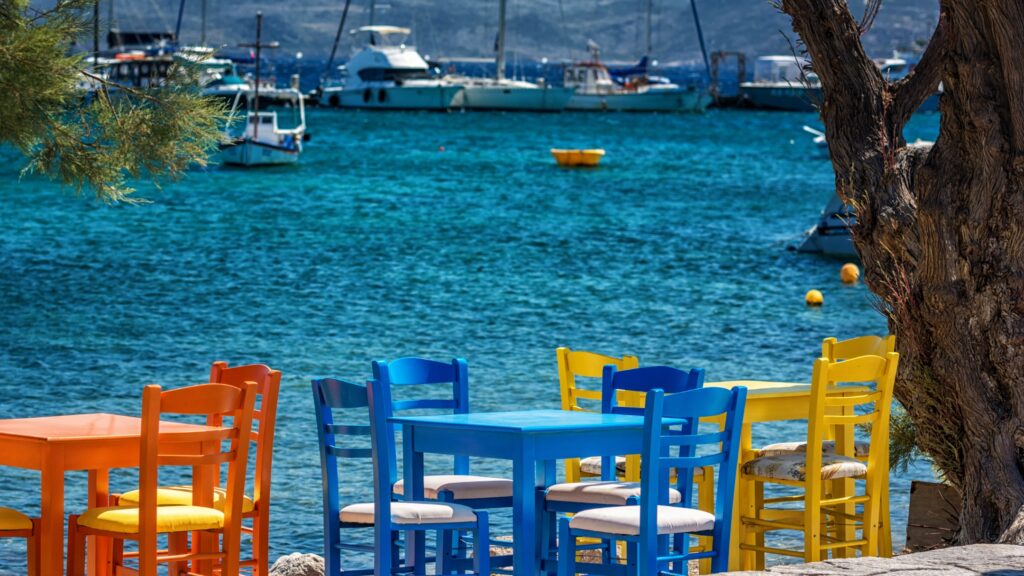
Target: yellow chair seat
[793, 467]
[182, 496]
[125, 520]
[13, 520]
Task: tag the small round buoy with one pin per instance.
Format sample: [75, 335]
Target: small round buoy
[849, 273]
[814, 298]
[440, 148]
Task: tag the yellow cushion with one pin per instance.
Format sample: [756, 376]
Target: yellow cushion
[125, 520]
[182, 496]
[14, 520]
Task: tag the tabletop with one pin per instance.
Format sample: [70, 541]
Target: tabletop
[767, 388]
[77, 427]
[525, 421]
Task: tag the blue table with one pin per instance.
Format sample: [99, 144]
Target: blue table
[533, 440]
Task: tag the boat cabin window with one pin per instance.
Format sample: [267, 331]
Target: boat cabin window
[391, 74]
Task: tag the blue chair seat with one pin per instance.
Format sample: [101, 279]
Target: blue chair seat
[602, 493]
[626, 520]
[407, 513]
[461, 487]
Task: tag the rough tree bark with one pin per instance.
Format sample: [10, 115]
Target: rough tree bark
[941, 234]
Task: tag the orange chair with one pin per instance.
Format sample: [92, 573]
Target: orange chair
[146, 521]
[14, 524]
[257, 508]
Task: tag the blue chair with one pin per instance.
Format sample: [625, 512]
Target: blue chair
[330, 395]
[460, 487]
[390, 516]
[573, 497]
[646, 527]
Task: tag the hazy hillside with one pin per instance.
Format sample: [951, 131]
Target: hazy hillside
[536, 27]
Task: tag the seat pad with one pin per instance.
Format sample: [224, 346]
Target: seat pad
[11, 519]
[861, 449]
[793, 467]
[462, 487]
[411, 513]
[607, 493]
[592, 465]
[125, 520]
[182, 496]
[625, 520]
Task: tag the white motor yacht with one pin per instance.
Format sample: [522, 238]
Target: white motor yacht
[387, 74]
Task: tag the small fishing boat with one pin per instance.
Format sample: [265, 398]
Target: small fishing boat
[831, 236]
[263, 142]
[783, 83]
[590, 157]
[635, 91]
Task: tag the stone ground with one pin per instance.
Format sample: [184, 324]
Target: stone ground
[976, 560]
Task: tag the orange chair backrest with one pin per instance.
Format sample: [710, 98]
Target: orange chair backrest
[579, 363]
[268, 386]
[206, 399]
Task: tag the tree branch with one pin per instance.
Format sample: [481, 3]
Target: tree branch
[1007, 22]
[913, 89]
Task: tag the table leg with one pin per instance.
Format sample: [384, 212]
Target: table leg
[524, 511]
[743, 506]
[203, 480]
[99, 548]
[52, 516]
[412, 473]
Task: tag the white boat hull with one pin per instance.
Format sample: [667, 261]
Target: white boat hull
[512, 98]
[395, 98]
[650, 101]
[249, 153]
[832, 235]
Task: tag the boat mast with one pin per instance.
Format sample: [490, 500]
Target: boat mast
[700, 37]
[95, 33]
[256, 100]
[202, 33]
[499, 60]
[650, 11]
[373, 8]
[177, 27]
[337, 39]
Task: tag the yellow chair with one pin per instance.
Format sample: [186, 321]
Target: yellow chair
[836, 350]
[578, 363]
[829, 521]
[14, 524]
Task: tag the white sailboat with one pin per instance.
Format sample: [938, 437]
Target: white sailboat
[501, 93]
[262, 142]
[389, 75]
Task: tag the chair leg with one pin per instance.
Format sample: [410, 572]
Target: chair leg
[177, 543]
[443, 561]
[566, 549]
[76, 548]
[759, 534]
[232, 543]
[261, 540]
[884, 526]
[632, 567]
[482, 545]
[33, 549]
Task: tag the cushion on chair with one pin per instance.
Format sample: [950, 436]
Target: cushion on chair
[592, 465]
[125, 520]
[610, 493]
[463, 487]
[182, 496]
[408, 513]
[626, 520]
[11, 519]
[861, 449]
[793, 467]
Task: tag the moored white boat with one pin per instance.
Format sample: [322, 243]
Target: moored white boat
[510, 95]
[595, 89]
[389, 75]
[831, 236]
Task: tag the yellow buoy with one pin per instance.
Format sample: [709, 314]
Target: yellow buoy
[814, 298]
[849, 273]
[577, 157]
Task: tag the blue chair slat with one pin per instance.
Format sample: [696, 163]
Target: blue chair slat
[648, 552]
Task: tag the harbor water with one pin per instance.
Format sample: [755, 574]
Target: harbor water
[432, 235]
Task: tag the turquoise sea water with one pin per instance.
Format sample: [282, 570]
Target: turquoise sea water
[379, 245]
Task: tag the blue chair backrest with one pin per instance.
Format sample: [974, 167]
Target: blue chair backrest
[453, 376]
[329, 395]
[687, 448]
[669, 380]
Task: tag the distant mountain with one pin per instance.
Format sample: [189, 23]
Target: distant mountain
[557, 29]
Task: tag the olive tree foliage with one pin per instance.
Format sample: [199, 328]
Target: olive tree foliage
[94, 142]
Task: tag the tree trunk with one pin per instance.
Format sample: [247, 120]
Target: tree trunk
[940, 232]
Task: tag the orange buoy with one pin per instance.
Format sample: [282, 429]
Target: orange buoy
[849, 273]
[814, 298]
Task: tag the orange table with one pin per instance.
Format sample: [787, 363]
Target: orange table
[93, 442]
